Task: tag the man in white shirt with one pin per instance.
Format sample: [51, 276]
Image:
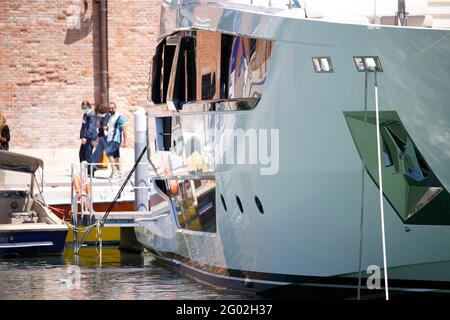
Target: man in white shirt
[117, 137]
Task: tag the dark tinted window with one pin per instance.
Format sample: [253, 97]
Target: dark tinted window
[161, 70]
[209, 66]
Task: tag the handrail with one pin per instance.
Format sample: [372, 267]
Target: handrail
[86, 199]
[269, 3]
[100, 222]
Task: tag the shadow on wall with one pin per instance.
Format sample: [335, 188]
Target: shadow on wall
[74, 35]
[77, 26]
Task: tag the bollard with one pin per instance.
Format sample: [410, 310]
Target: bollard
[128, 239]
[141, 173]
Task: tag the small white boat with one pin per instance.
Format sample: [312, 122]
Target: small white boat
[27, 226]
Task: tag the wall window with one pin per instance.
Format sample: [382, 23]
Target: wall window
[208, 52]
[208, 86]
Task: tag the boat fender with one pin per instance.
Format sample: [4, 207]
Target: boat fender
[77, 188]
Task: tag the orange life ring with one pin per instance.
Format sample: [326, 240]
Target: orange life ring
[77, 188]
[173, 185]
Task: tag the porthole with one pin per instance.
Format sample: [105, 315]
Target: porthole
[223, 202]
[14, 205]
[239, 203]
[259, 205]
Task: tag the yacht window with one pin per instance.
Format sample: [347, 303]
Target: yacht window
[259, 205]
[223, 203]
[184, 88]
[161, 69]
[156, 74]
[198, 68]
[225, 54]
[163, 133]
[209, 66]
[169, 53]
[239, 203]
[322, 64]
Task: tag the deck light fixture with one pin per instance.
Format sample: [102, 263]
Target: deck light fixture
[369, 63]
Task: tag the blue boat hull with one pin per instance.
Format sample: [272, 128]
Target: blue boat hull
[32, 243]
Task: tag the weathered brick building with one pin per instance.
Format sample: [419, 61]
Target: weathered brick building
[47, 69]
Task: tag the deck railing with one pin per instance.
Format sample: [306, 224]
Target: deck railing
[281, 4]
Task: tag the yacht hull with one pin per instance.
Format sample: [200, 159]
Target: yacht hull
[310, 229]
[297, 286]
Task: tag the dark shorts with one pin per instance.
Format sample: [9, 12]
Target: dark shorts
[113, 149]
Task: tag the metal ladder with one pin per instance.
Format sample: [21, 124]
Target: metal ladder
[81, 198]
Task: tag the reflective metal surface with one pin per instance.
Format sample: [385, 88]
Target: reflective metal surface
[194, 200]
[221, 105]
[198, 140]
[209, 66]
[249, 62]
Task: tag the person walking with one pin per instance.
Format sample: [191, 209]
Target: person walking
[102, 129]
[116, 138]
[88, 133]
[4, 144]
[4, 134]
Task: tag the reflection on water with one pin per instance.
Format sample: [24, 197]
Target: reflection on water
[117, 275]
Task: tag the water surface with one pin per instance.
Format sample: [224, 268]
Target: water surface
[116, 275]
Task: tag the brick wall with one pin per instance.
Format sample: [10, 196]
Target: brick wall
[208, 49]
[47, 69]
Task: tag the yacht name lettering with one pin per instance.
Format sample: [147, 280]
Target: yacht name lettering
[193, 310]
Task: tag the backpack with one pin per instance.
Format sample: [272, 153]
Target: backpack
[116, 127]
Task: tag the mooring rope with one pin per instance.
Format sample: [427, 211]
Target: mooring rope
[99, 243]
[100, 222]
[380, 180]
[363, 174]
[80, 229]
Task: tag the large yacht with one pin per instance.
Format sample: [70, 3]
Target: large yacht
[305, 144]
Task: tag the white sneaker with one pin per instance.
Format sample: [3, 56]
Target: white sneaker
[115, 175]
